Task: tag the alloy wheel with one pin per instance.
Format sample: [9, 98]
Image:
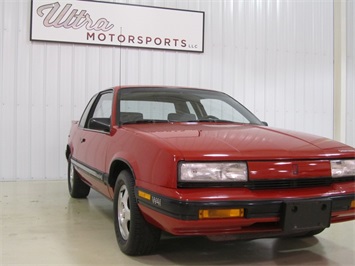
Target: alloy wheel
[124, 212]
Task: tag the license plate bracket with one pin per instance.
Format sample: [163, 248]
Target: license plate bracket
[306, 215]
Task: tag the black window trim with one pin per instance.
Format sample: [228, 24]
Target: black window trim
[92, 105]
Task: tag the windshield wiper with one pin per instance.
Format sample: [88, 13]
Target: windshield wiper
[214, 121]
[145, 121]
[153, 121]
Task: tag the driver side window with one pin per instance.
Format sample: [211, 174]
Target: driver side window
[101, 111]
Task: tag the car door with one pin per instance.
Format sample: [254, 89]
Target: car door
[94, 139]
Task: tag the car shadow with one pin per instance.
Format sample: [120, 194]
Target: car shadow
[202, 251]
[94, 203]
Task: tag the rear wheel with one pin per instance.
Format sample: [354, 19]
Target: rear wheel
[135, 236]
[77, 188]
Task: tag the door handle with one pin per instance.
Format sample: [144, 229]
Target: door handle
[82, 140]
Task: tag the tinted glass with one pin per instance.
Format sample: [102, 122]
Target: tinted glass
[180, 105]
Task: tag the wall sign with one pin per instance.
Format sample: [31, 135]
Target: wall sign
[105, 23]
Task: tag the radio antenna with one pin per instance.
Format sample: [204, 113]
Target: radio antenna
[120, 73]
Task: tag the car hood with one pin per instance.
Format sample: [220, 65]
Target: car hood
[196, 141]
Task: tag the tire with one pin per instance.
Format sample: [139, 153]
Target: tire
[77, 188]
[135, 236]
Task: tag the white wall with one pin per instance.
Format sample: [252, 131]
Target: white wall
[276, 57]
[350, 69]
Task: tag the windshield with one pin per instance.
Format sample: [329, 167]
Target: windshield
[162, 105]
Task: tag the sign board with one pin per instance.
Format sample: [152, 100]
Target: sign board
[106, 23]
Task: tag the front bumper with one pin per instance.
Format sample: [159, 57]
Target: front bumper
[274, 216]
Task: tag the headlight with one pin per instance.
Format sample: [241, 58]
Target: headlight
[213, 172]
[342, 168]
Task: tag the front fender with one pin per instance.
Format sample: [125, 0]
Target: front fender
[149, 160]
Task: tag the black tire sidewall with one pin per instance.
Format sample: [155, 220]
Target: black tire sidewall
[124, 178]
[77, 189]
[143, 237]
[70, 183]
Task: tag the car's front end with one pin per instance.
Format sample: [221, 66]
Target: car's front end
[235, 182]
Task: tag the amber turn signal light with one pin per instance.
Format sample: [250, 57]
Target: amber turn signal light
[221, 213]
[144, 195]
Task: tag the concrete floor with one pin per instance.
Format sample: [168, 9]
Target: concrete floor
[41, 225]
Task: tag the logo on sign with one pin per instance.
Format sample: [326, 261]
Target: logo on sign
[74, 19]
[117, 24]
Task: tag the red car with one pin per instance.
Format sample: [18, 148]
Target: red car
[196, 162]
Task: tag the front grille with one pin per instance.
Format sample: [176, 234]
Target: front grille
[273, 183]
[296, 183]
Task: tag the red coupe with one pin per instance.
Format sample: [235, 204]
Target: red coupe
[197, 162]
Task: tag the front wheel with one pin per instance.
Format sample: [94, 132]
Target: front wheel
[135, 236]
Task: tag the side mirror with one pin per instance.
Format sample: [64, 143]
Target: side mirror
[102, 124]
[264, 123]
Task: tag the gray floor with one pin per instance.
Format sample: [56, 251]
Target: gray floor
[41, 225]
